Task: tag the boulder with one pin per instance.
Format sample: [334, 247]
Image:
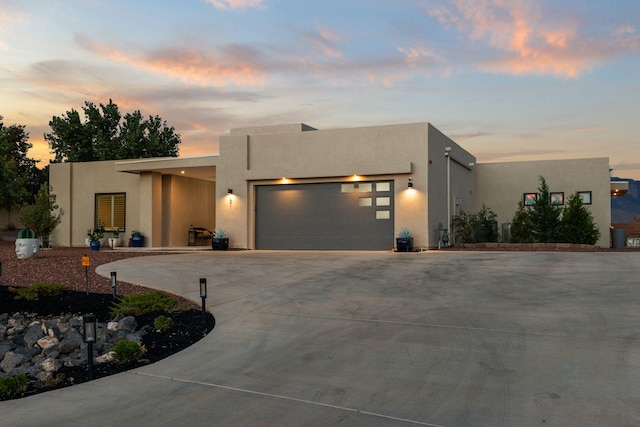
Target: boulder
[50, 365]
[47, 341]
[128, 323]
[12, 360]
[71, 341]
[33, 334]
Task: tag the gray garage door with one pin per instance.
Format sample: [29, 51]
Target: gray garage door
[356, 216]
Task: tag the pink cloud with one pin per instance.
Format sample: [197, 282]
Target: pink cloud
[526, 41]
[236, 4]
[234, 65]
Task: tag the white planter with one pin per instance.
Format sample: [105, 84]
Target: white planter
[114, 242]
[27, 248]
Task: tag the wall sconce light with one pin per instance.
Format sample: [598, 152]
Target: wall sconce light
[410, 184]
[230, 193]
[203, 295]
[89, 335]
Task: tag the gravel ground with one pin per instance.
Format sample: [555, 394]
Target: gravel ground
[63, 266]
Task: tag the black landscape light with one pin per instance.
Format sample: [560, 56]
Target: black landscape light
[113, 284]
[203, 295]
[89, 335]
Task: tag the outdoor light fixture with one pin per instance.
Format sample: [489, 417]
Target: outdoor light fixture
[113, 284]
[203, 295]
[89, 335]
[230, 191]
[410, 184]
[447, 150]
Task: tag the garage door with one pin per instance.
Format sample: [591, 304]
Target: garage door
[356, 216]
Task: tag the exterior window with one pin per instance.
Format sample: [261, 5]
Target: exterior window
[110, 211]
[585, 196]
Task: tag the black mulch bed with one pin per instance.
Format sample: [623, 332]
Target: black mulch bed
[188, 329]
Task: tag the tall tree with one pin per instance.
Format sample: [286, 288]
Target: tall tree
[545, 216]
[106, 135]
[19, 175]
[577, 224]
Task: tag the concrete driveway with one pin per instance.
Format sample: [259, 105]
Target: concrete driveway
[380, 339]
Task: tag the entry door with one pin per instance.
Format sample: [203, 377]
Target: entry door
[355, 216]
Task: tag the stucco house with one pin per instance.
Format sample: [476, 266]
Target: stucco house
[297, 187]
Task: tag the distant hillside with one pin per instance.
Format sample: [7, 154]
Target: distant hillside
[623, 208]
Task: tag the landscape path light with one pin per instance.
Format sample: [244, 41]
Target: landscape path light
[89, 335]
[203, 295]
[113, 283]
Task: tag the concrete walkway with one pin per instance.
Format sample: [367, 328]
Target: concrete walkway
[380, 339]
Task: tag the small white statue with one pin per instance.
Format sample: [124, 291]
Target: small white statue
[27, 248]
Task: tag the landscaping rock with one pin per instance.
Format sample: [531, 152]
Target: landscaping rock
[33, 334]
[128, 323]
[71, 341]
[12, 360]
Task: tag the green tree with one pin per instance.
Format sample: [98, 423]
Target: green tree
[522, 225]
[44, 215]
[19, 175]
[545, 216]
[577, 224]
[106, 135]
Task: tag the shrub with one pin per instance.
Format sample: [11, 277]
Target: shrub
[128, 351]
[38, 290]
[522, 225]
[10, 386]
[137, 304]
[162, 323]
[478, 227]
[577, 224]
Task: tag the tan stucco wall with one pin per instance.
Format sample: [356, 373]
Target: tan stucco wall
[75, 186]
[500, 186]
[461, 166]
[161, 206]
[186, 202]
[303, 155]
[9, 218]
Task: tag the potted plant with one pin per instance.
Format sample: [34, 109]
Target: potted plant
[137, 239]
[94, 240]
[99, 230]
[219, 240]
[87, 240]
[404, 241]
[115, 240]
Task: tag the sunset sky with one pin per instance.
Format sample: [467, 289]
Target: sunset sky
[508, 80]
